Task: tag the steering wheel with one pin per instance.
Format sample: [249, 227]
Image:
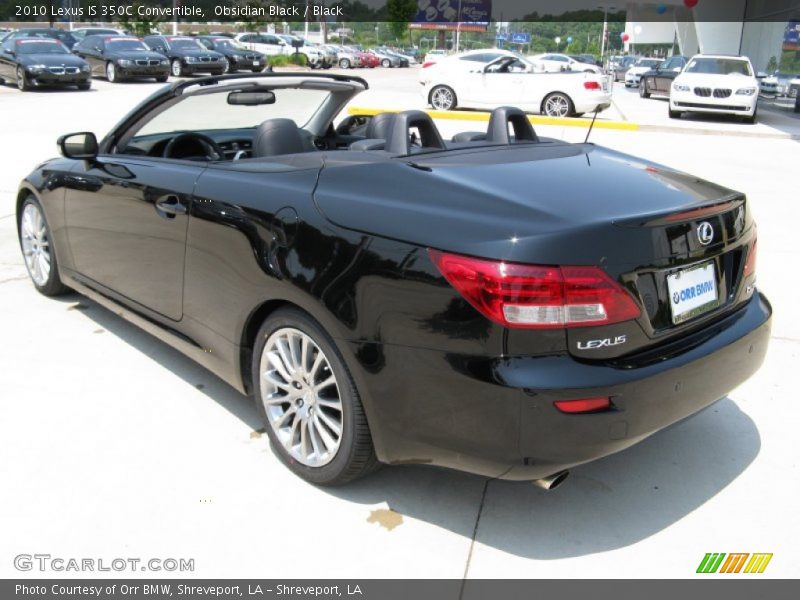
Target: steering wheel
[209, 148]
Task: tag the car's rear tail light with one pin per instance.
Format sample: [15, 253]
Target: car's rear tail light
[583, 405]
[425, 65]
[750, 263]
[591, 85]
[536, 297]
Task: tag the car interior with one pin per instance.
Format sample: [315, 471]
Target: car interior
[387, 134]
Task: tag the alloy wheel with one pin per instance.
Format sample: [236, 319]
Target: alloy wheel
[177, 69]
[111, 72]
[442, 98]
[226, 66]
[21, 83]
[35, 244]
[556, 105]
[301, 397]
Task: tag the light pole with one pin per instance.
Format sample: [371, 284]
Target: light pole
[606, 8]
[458, 26]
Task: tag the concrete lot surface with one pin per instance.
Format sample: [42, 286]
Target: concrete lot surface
[114, 445]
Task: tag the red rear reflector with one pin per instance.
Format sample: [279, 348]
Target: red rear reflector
[698, 213]
[425, 65]
[537, 297]
[591, 85]
[750, 264]
[583, 405]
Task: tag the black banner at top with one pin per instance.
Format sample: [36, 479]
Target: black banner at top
[422, 13]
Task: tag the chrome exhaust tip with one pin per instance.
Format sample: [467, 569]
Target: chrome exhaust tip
[551, 481]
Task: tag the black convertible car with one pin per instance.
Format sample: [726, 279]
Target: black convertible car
[391, 297]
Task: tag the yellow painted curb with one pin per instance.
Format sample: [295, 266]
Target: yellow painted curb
[460, 115]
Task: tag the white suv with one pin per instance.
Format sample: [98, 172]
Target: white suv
[712, 83]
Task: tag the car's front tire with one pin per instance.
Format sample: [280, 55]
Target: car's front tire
[177, 68]
[558, 105]
[309, 402]
[36, 244]
[443, 97]
[386, 63]
[344, 63]
[162, 79]
[643, 89]
[22, 80]
[111, 72]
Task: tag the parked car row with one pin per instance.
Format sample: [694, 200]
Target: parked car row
[116, 55]
[705, 83]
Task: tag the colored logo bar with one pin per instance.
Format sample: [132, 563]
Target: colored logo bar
[736, 562]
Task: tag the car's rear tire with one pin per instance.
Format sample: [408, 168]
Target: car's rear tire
[309, 402]
[386, 63]
[643, 89]
[22, 80]
[443, 97]
[177, 68]
[675, 114]
[344, 63]
[558, 104]
[38, 253]
[228, 68]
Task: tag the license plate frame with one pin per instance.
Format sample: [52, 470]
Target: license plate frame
[694, 289]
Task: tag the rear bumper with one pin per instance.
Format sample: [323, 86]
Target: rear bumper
[495, 416]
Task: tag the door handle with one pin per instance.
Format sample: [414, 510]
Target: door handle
[170, 206]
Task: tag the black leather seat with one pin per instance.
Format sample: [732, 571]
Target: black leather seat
[378, 126]
[277, 136]
[377, 131]
[398, 141]
[497, 131]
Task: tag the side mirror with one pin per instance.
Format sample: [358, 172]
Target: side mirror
[11, 53]
[78, 145]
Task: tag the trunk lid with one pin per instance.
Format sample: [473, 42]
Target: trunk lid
[558, 204]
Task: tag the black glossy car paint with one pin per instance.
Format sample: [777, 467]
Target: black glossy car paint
[55, 68]
[343, 235]
[100, 50]
[174, 48]
[239, 59]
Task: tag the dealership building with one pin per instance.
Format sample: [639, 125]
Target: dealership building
[768, 32]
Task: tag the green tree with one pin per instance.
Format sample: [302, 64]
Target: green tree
[400, 13]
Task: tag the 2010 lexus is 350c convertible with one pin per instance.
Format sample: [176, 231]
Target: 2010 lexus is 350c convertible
[502, 303]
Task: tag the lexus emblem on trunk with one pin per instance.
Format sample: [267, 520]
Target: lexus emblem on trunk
[705, 233]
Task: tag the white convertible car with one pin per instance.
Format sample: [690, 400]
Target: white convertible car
[511, 79]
